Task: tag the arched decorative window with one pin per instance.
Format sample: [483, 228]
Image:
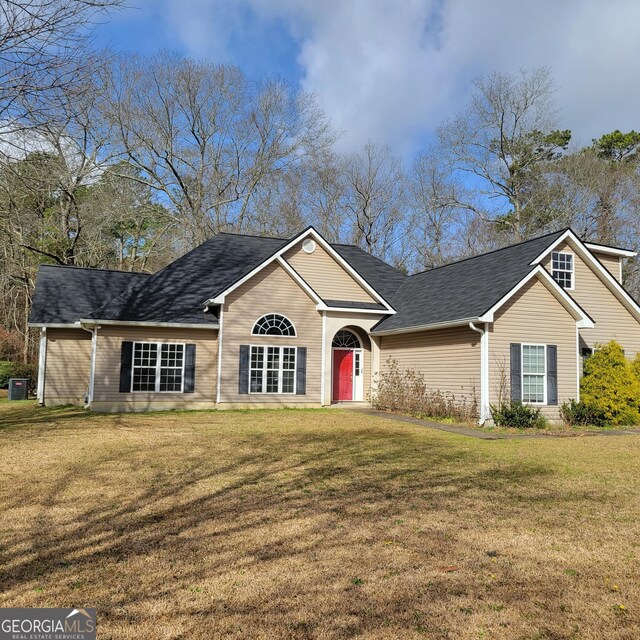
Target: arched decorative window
[273, 324]
[345, 339]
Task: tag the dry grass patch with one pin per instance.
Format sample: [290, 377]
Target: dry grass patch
[316, 524]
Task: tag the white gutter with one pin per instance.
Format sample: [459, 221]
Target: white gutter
[54, 325]
[131, 323]
[427, 327]
[42, 364]
[381, 312]
[485, 413]
[610, 251]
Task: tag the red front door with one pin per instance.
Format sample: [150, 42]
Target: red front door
[342, 374]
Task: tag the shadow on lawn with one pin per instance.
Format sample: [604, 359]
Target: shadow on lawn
[211, 517]
[15, 416]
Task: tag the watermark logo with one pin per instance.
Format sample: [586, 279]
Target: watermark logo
[47, 624]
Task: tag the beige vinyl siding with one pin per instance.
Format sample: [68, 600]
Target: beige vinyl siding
[67, 366]
[325, 276]
[106, 395]
[611, 263]
[613, 321]
[272, 290]
[533, 316]
[449, 359]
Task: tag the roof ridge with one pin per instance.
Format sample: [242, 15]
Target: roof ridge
[487, 253]
[73, 266]
[249, 235]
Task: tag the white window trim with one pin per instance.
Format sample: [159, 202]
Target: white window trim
[544, 374]
[280, 369]
[158, 367]
[353, 333]
[573, 268]
[273, 335]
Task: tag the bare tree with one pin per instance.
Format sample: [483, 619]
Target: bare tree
[374, 202]
[325, 195]
[44, 45]
[206, 139]
[501, 142]
[439, 219]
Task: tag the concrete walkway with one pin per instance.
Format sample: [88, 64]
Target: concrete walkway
[484, 435]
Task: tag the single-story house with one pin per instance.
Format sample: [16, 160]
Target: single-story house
[246, 321]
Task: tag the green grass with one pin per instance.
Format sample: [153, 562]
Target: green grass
[316, 524]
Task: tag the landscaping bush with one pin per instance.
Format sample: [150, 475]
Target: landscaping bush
[406, 392]
[517, 415]
[610, 385]
[581, 414]
[17, 370]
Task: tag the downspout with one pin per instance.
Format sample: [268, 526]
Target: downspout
[323, 361]
[42, 364]
[220, 334]
[484, 371]
[92, 368]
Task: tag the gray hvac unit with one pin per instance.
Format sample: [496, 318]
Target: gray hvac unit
[18, 388]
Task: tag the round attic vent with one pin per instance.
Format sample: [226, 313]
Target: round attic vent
[309, 245]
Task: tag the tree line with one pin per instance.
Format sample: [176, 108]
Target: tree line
[129, 161]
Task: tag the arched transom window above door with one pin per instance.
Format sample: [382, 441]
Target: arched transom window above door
[274, 324]
[345, 339]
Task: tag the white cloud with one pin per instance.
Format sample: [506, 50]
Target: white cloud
[391, 70]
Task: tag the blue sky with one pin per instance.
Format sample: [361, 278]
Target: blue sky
[390, 70]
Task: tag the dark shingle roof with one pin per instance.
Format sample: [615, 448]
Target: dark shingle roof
[464, 289]
[66, 294]
[384, 278]
[177, 292]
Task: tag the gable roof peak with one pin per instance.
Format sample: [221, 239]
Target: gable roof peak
[48, 265]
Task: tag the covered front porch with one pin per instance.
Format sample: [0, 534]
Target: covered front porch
[351, 359]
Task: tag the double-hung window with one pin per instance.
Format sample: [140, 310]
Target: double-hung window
[157, 367]
[534, 376]
[562, 269]
[272, 369]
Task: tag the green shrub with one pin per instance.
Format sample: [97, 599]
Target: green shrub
[610, 385]
[635, 366]
[17, 370]
[406, 392]
[518, 415]
[581, 414]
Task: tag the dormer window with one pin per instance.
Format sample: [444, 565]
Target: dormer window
[562, 269]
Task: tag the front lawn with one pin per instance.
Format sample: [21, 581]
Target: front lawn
[316, 524]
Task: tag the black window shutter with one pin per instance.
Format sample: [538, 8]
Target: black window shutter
[126, 359]
[189, 368]
[552, 374]
[301, 371]
[516, 371]
[243, 379]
